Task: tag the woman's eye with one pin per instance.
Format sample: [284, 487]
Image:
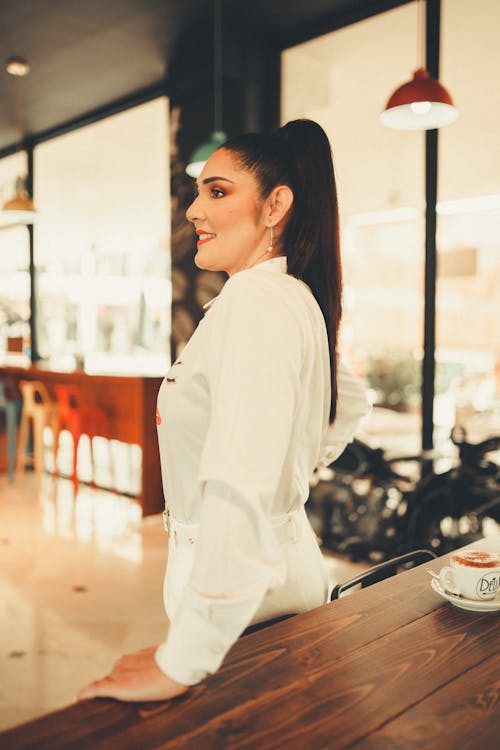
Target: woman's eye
[216, 193]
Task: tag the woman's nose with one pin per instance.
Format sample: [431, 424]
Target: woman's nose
[195, 210]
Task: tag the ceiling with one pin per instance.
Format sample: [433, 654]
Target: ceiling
[86, 55]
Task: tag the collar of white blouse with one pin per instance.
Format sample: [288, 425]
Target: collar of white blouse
[278, 263]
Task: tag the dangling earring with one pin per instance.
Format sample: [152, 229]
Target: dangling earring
[270, 247]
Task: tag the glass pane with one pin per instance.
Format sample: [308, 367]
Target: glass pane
[102, 244]
[343, 80]
[14, 275]
[469, 223]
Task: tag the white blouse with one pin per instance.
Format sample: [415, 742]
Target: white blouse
[242, 423]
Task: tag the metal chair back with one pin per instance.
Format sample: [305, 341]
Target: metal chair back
[384, 570]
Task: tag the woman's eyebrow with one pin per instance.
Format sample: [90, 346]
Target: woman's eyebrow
[212, 179]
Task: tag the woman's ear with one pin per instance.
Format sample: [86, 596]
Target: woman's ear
[280, 202]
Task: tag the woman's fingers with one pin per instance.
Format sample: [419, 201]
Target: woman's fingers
[135, 677]
[98, 689]
[130, 690]
[127, 660]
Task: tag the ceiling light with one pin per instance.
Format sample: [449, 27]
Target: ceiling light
[422, 103]
[20, 208]
[202, 152]
[17, 66]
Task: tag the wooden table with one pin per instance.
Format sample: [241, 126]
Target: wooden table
[391, 666]
[130, 403]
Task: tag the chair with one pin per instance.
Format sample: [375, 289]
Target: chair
[382, 571]
[265, 624]
[9, 406]
[79, 419]
[39, 410]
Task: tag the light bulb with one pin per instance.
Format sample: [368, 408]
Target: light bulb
[421, 108]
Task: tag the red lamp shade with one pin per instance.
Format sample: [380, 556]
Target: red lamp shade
[18, 210]
[420, 104]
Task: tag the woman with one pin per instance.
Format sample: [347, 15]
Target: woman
[243, 414]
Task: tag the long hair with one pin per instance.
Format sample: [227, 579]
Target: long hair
[299, 155]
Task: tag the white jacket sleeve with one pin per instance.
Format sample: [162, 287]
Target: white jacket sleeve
[253, 380]
[352, 408]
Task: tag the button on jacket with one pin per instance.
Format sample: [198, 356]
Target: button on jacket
[242, 422]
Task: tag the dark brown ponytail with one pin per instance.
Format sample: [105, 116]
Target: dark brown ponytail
[299, 155]
[311, 236]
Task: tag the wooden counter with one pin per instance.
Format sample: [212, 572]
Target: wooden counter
[390, 667]
[129, 401]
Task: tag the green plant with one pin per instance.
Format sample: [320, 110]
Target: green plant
[396, 378]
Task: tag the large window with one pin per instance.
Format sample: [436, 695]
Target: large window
[342, 80]
[14, 263]
[102, 244]
[468, 301]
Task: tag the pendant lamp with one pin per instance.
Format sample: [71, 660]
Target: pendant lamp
[422, 103]
[20, 208]
[202, 152]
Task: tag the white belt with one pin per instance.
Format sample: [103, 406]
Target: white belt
[287, 528]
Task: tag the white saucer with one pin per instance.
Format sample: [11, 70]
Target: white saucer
[473, 605]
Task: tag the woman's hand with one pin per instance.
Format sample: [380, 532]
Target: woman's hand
[135, 677]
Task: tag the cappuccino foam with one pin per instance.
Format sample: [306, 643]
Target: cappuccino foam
[477, 559]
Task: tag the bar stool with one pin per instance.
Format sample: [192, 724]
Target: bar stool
[39, 410]
[79, 419]
[9, 407]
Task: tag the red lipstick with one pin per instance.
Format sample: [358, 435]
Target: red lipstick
[204, 236]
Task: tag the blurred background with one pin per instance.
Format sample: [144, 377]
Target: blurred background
[99, 292]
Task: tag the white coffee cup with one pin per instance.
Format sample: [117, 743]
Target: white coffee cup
[472, 574]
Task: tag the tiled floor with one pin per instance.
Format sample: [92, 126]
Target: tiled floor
[80, 583]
